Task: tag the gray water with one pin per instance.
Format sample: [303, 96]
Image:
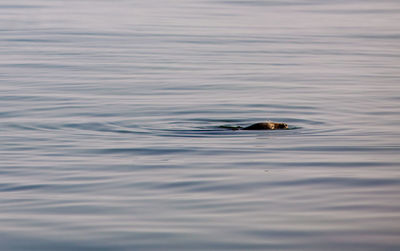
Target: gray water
[110, 115]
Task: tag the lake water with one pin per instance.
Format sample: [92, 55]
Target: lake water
[110, 115]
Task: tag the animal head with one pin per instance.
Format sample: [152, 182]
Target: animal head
[281, 126]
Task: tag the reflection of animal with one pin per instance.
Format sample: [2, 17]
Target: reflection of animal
[266, 126]
[260, 126]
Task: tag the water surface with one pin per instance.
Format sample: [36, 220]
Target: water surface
[110, 115]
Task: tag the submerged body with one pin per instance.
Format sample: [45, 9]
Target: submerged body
[260, 126]
[267, 126]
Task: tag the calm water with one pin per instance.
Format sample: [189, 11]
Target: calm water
[109, 115]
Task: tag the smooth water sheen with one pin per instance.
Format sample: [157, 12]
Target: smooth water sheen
[110, 115]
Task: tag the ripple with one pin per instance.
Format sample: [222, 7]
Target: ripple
[22, 188]
[342, 182]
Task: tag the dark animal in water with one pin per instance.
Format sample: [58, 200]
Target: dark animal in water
[267, 126]
[260, 126]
